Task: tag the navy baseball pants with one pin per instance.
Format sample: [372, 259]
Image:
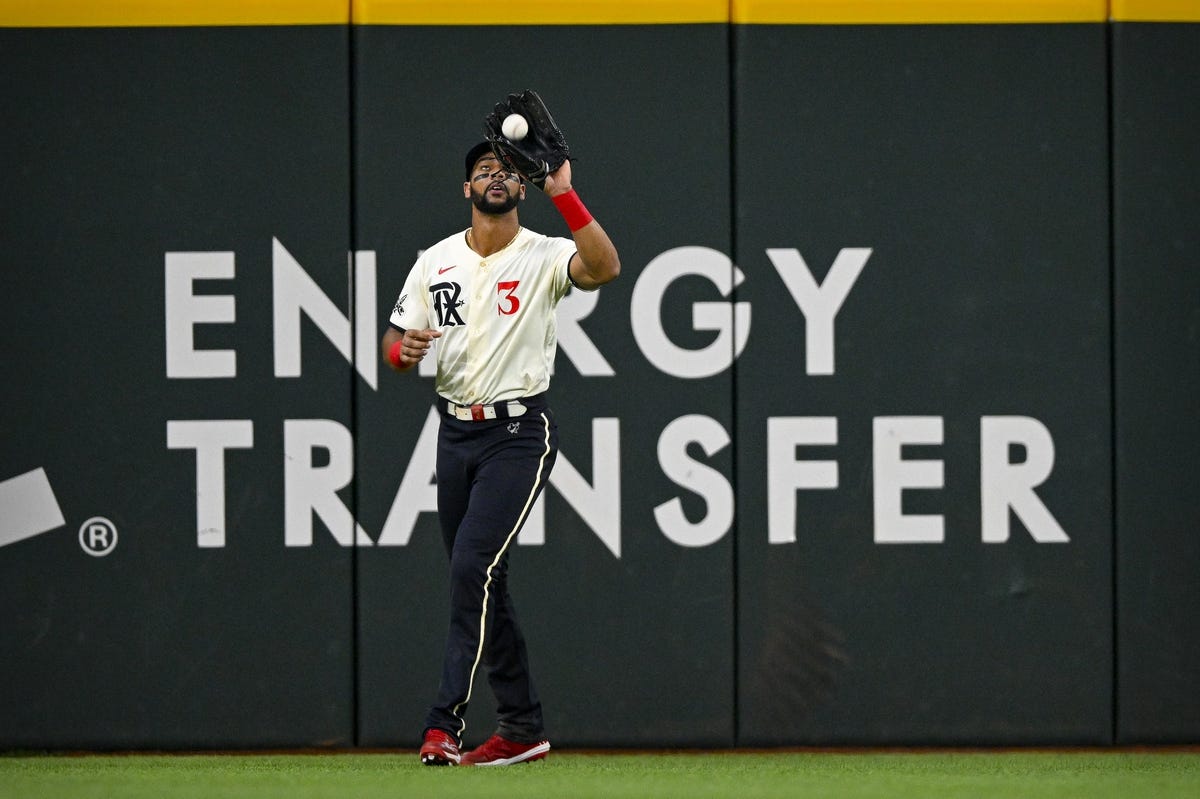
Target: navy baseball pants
[489, 473]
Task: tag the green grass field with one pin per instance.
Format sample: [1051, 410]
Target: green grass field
[1028, 775]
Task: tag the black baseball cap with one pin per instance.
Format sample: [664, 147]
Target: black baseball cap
[475, 153]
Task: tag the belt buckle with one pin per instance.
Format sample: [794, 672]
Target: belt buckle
[477, 413]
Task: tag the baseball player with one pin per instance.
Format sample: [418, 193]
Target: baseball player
[487, 295]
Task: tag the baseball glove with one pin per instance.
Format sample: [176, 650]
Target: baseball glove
[542, 151]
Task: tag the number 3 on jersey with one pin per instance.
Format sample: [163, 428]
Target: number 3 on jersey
[509, 302]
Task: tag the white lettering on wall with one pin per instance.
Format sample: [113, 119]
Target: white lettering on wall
[1005, 485]
[893, 474]
[573, 341]
[210, 438]
[819, 304]
[309, 489]
[786, 474]
[185, 310]
[417, 493]
[598, 504]
[698, 477]
[366, 329]
[293, 291]
[732, 322]
[1008, 481]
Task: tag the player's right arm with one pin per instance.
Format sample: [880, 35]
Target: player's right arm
[404, 349]
[408, 336]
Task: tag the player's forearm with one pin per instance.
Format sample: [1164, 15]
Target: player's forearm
[402, 350]
[597, 254]
[599, 262]
[387, 347]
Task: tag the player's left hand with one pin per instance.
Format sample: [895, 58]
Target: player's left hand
[541, 152]
[558, 181]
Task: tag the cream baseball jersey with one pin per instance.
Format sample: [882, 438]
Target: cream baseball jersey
[496, 314]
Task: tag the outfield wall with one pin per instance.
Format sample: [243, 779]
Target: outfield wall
[1156, 210]
[884, 436]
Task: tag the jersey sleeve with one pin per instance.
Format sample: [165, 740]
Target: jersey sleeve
[412, 306]
[562, 250]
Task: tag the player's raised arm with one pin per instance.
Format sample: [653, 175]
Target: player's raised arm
[525, 138]
[596, 262]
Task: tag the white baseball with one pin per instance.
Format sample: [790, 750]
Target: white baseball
[514, 127]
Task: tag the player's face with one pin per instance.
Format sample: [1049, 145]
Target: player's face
[493, 189]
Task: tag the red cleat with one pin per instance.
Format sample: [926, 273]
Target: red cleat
[497, 751]
[439, 749]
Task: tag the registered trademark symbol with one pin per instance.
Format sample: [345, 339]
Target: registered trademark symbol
[98, 536]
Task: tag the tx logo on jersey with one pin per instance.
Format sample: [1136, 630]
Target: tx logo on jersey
[447, 303]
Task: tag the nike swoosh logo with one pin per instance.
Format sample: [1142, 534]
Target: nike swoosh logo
[446, 269]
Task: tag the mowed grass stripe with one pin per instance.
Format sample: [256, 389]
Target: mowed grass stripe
[1061, 775]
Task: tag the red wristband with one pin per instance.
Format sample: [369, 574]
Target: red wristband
[394, 354]
[572, 210]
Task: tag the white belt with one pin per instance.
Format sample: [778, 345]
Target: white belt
[478, 413]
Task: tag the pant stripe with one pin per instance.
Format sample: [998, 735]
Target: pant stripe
[487, 583]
